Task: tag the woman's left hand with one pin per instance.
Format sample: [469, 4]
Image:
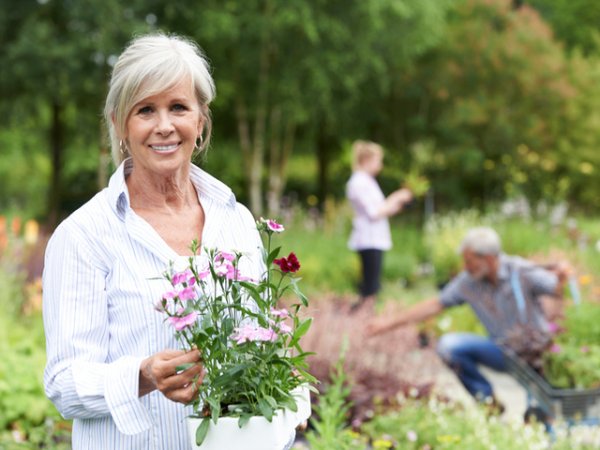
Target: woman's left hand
[160, 371]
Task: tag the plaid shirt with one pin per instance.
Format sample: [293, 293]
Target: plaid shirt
[496, 305]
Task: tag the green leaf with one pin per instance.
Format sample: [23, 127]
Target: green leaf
[274, 253]
[215, 409]
[184, 367]
[290, 403]
[301, 330]
[301, 296]
[265, 409]
[229, 376]
[271, 401]
[202, 430]
[244, 419]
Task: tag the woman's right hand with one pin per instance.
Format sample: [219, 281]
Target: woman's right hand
[403, 195]
[159, 371]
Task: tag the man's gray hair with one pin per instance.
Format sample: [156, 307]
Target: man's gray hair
[482, 241]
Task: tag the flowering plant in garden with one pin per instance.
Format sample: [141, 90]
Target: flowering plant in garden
[250, 344]
[573, 360]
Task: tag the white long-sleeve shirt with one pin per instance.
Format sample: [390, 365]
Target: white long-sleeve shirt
[369, 230]
[99, 317]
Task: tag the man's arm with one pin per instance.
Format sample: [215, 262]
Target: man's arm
[562, 271]
[417, 313]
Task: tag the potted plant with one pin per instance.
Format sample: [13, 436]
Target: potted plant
[255, 389]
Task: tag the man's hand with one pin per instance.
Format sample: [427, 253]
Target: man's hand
[175, 373]
[379, 326]
[416, 313]
[563, 270]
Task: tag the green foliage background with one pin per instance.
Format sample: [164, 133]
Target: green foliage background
[488, 100]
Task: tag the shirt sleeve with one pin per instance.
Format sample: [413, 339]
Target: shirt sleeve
[451, 293]
[78, 379]
[366, 198]
[541, 281]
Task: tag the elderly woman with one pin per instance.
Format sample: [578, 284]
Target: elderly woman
[111, 358]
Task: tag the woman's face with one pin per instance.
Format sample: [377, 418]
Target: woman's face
[373, 164]
[161, 130]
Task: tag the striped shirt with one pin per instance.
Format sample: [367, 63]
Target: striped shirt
[496, 306]
[368, 230]
[99, 317]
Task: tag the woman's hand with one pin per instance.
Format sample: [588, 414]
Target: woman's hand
[403, 195]
[160, 371]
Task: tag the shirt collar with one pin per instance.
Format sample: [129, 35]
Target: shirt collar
[206, 186]
[503, 267]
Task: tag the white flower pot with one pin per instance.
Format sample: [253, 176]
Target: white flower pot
[258, 433]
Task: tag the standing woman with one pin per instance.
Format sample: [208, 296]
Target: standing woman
[370, 227]
[111, 358]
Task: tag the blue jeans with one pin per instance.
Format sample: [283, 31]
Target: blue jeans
[462, 352]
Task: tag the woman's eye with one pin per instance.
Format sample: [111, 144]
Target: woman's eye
[179, 107]
[145, 110]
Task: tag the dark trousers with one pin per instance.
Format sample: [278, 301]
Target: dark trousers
[371, 261]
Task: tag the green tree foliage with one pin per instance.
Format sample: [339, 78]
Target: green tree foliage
[57, 54]
[297, 70]
[477, 94]
[575, 22]
[500, 110]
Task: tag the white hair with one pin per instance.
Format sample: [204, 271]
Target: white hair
[482, 241]
[149, 65]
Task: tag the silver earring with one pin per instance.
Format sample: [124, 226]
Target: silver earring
[122, 147]
[199, 142]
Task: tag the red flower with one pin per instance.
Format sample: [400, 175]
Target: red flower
[289, 264]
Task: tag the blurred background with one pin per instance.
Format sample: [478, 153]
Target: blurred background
[490, 109]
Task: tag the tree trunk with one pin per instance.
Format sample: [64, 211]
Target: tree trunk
[324, 146]
[57, 137]
[253, 147]
[280, 150]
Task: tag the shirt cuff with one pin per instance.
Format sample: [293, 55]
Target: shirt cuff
[121, 388]
[118, 383]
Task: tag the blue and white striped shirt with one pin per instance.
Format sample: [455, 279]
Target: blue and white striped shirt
[99, 317]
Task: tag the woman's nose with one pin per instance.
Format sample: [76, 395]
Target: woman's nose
[165, 124]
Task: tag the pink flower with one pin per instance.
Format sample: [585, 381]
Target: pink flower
[183, 322]
[225, 256]
[271, 225]
[203, 274]
[169, 295]
[274, 226]
[284, 328]
[411, 436]
[160, 304]
[187, 294]
[251, 333]
[283, 313]
[225, 268]
[555, 348]
[585, 349]
[184, 277]
[553, 327]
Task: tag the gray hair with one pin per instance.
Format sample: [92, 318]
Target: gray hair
[482, 241]
[149, 65]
